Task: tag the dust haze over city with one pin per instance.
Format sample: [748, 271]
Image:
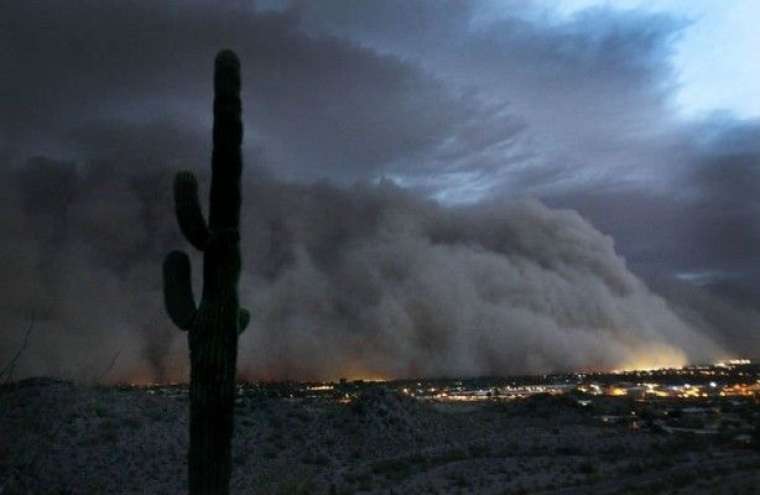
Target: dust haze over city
[430, 189]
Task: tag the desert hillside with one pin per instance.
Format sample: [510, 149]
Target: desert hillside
[60, 438]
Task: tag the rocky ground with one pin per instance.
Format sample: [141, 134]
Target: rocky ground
[61, 438]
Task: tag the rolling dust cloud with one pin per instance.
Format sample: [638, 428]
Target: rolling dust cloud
[366, 281]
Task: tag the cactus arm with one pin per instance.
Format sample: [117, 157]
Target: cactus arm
[178, 290]
[244, 316]
[188, 209]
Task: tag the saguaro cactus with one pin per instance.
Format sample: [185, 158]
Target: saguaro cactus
[214, 325]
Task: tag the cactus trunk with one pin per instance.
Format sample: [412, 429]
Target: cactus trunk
[213, 327]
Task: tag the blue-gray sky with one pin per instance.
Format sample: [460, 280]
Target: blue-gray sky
[641, 121]
[711, 55]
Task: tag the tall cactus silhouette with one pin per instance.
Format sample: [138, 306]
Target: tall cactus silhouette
[214, 325]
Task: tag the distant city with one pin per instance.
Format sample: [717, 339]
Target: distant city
[718, 400]
[731, 378]
[736, 377]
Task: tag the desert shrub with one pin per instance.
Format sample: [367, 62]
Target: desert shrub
[295, 487]
[100, 411]
[756, 436]
[567, 450]
[459, 480]
[395, 469]
[587, 467]
[452, 455]
[132, 423]
[479, 450]
[240, 458]
[316, 459]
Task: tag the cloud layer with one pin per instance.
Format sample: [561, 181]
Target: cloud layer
[368, 281]
[372, 282]
[524, 127]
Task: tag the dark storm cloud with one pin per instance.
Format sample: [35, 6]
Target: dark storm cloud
[592, 91]
[593, 94]
[726, 182]
[700, 230]
[324, 107]
[408, 89]
[726, 312]
[437, 98]
[703, 220]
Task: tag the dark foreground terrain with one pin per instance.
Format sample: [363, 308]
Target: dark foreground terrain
[61, 438]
